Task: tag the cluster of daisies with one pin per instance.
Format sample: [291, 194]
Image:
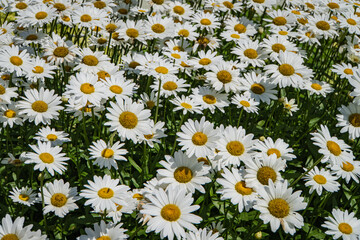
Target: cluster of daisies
[92, 91]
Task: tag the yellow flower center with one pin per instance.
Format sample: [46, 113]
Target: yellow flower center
[186, 105]
[132, 32]
[283, 33]
[162, 70]
[5, 77]
[158, 28]
[323, 25]
[32, 37]
[205, 21]
[316, 86]
[302, 21]
[102, 40]
[277, 47]
[351, 21]
[286, 69]
[59, 6]
[257, 88]
[9, 113]
[259, 1]
[87, 88]
[149, 136]
[123, 11]
[110, 27]
[333, 5]
[170, 86]
[354, 119]
[21, 5]
[15, 60]
[183, 174]
[24, 197]
[209, 99]
[58, 200]
[204, 61]
[85, 18]
[107, 153]
[345, 228]
[175, 55]
[158, 2]
[240, 28]
[116, 89]
[106, 193]
[203, 40]
[104, 238]
[235, 148]
[170, 212]
[224, 76]
[309, 5]
[51, 137]
[236, 36]
[204, 160]
[90, 60]
[38, 69]
[279, 21]
[102, 75]
[134, 64]
[348, 71]
[179, 10]
[61, 52]
[138, 196]
[348, 167]
[320, 179]
[279, 208]
[274, 151]
[65, 18]
[99, 4]
[2, 90]
[184, 33]
[128, 120]
[245, 103]
[199, 139]
[333, 147]
[250, 53]
[10, 236]
[228, 4]
[41, 15]
[241, 188]
[150, 104]
[46, 157]
[264, 174]
[39, 106]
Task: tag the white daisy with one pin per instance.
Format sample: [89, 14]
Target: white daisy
[348, 170]
[105, 231]
[321, 179]
[342, 224]
[24, 195]
[47, 134]
[349, 120]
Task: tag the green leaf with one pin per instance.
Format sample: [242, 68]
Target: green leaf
[134, 164]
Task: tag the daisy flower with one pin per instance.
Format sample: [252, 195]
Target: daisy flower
[321, 26]
[280, 19]
[118, 86]
[290, 106]
[104, 193]
[279, 148]
[318, 87]
[203, 234]
[57, 50]
[157, 132]
[10, 229]
[186, 30]
[183, 172]
[344, 70]
[205, 60]
[171, 213]
[287, 71]
[234, 188]
[105, 231]
[181, 11]
[106, 155]
[128, 205]
[197, 138]
[244, 101]
[260, 171]
[170, 86]
[250, 53]
[91, 62]
[223, 77]
[234, 146]
[88, 16]
[6, 92]
[186, 104]
[59, 198]
[207, 21]
[17, 162]
[36, 15]
[38, 69]
[258, 88]
[161, 69]
[259, 6]
[274, 44]
[24, 195]
[351, 22]
[131, 30]
[129, 119]
[150, 101]
[12, 60]
[158, 27]
[40, 106]
[348, 170]
[47, 134]
[47, 157]
[334, 150]
[342, 224]
[321, 179]
[278, 205]
[210, 99]
[84, 88]
[349, 120]
[242, 26]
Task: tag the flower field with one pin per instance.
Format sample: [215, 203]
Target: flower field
[191, 120]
